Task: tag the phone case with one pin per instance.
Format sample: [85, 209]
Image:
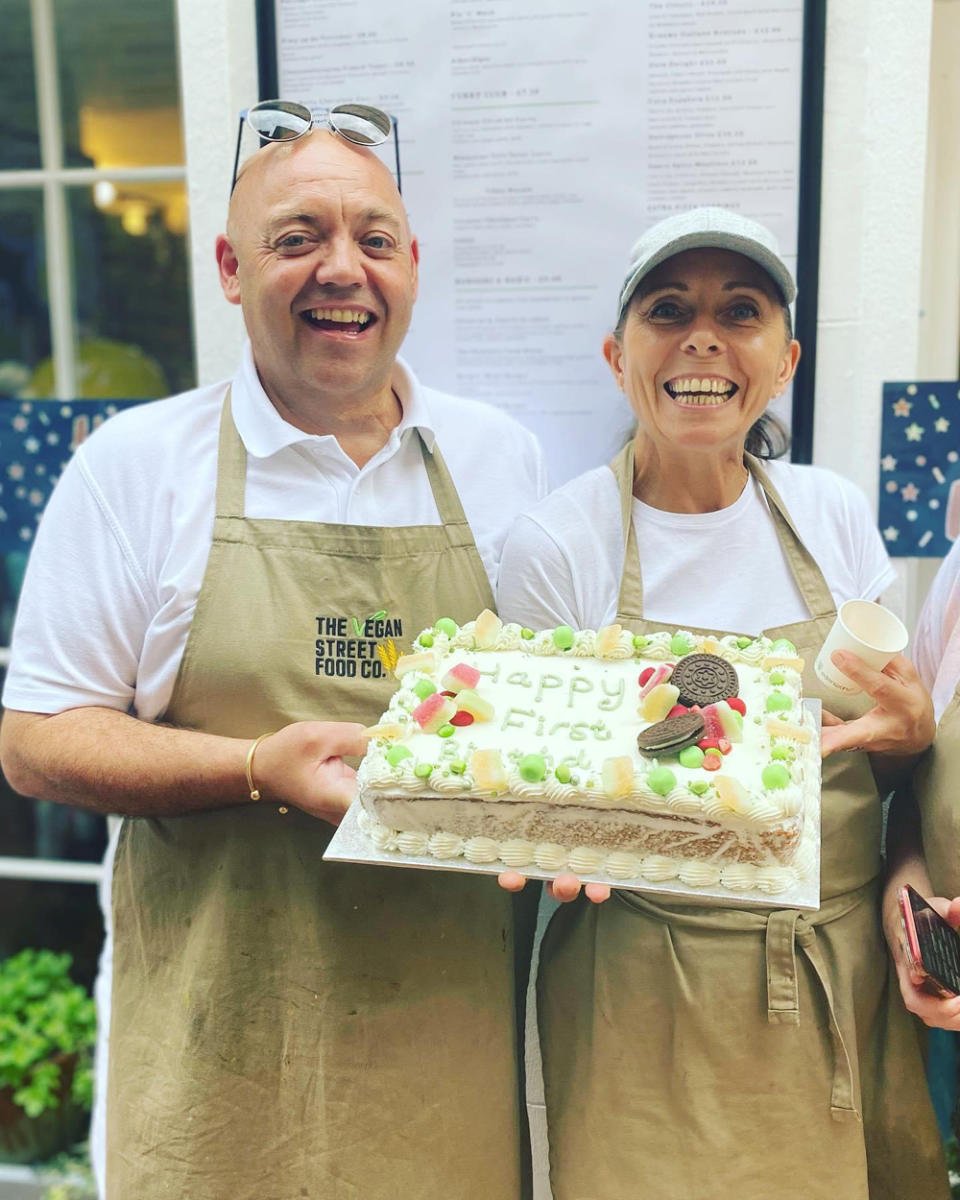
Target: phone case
[931, 946]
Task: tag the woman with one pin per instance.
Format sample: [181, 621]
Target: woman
[695, 1051]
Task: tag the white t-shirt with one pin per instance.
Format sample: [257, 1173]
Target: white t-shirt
[936, 644]
[723, 570]
[114, 574]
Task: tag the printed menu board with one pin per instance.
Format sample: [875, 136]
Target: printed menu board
[537, 141]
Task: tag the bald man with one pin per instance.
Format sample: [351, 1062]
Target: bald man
[216, 587]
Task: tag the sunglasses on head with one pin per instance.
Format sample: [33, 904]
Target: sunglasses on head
[286, 120]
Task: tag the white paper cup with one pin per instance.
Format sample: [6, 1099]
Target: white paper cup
[869, 631]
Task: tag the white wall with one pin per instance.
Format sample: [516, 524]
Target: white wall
[218, 67]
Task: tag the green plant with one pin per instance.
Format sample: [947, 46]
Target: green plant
[45, 1019]
[68, 1176]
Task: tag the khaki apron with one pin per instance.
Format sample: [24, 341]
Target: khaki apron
[936, 786]
[732, 1054]
[284, 1027]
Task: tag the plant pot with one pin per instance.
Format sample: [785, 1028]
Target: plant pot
[26, 1139]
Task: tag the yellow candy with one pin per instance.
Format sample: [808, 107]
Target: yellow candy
[710, 646]
[486, 767]
[608, 639]
[731, 793]
[486, 629]
[772, 661]
[424, 661]
[617, 776]
[656, 704]
[796, 733]
[390, 732]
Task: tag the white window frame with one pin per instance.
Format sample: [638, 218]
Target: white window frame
[53, 178]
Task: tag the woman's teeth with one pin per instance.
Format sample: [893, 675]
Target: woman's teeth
[700, 391]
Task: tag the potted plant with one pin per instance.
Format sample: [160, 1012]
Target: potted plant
[47, 1032]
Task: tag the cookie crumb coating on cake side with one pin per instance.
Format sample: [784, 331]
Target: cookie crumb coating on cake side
[661, 757]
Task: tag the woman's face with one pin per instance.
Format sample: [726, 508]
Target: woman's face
[703, 351]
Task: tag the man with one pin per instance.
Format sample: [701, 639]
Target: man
[244, 560]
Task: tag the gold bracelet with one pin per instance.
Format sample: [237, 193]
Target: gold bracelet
[248, 768]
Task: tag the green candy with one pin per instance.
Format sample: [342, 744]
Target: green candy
[640, 642]
[662, 780]
[446, 731]
[743, 642]
[563, 637]
[526, 634]
[778, 702]
[426, 639]
[699, 787]
[784, 646]
[775, 775]
[424, 688]
[777, 677]
[396, 754]
[446, 625]
[679, 644]
[782, 752]
[458, 766]
[563, 773]
[690, 756]
[532, 768]
[422, 770]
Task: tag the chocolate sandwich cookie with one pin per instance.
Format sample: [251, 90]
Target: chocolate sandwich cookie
[705, 679]
[670, 736]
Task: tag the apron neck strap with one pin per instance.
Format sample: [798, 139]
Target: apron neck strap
[803, 567]
[232, 479]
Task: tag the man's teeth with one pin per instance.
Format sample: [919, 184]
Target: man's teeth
[701, 391]
[342, 316]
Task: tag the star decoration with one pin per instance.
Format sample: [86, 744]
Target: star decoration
[888, 462]
[910, 492]
[914, 432]
[891, 534]
[902, 408]
[941, 424]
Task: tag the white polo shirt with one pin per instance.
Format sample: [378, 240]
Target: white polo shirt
[113, 577]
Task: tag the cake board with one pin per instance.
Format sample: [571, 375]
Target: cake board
[351, 844]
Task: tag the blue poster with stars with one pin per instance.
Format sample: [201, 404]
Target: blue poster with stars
[920, 468]
[37, 438]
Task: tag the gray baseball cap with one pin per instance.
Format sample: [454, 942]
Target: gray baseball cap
[706, 228]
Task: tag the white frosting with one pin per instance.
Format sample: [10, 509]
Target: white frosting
[573, 699]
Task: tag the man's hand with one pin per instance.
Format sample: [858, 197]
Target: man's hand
[935, 1011]
[901, 723]
[564, 888]
[302, 765]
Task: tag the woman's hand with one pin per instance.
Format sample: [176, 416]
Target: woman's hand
[901, 723]
[935, 1011]
[564, 888]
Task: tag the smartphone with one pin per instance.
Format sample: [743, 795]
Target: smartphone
[932, 946]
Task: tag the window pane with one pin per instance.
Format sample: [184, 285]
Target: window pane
[52, 916]
[119, 89]
[24, 320]
[20, 143]
[132, 298]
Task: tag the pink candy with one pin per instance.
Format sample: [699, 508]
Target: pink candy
[657, 676]
[461, 676]
[434, 712]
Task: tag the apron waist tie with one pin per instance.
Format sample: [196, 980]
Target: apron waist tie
[784, 929]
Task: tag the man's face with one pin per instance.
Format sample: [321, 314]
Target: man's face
[319, 255]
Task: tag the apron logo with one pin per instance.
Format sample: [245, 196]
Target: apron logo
[348, 647]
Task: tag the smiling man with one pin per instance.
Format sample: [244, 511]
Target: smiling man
[243, 563]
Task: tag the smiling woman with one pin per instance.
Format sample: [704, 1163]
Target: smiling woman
[664, 1027]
